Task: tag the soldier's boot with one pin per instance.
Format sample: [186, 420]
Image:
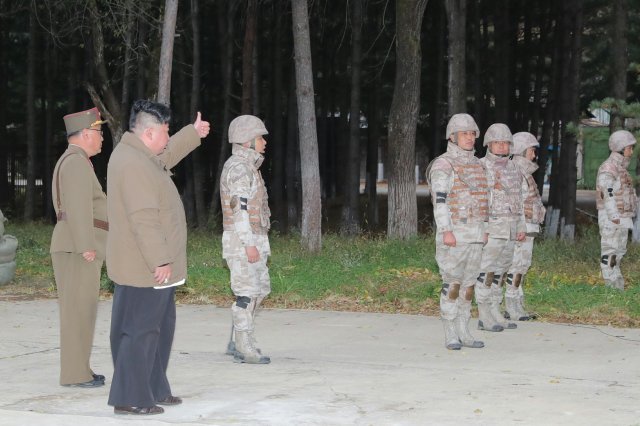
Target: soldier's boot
[512, 299]
[619, 283]
[246, 352]
[496, 301]
[609, 274]
[485, 319]
[451, 340]
[462, 326]
[231, 346]
[254, 312]
[242, 312]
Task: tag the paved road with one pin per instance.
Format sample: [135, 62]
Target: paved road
[336, 368]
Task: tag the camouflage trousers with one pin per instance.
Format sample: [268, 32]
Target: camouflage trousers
[250, 284]
[497, 255]
[459, 268]
[522, 255]
[613, 247]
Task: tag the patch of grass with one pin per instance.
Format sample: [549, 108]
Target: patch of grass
[372, 274]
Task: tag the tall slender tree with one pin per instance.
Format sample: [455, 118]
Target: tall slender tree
[166, 51]
[311, 202]
[351, 208]
[457, 24]
[403, 119]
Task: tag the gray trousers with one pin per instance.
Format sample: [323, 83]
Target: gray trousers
[143, 321]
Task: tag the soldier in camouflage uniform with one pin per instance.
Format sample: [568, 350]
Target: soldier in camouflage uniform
[506, 225]
[460, 207]
[524, 157]
[616, 203]
[245, 240]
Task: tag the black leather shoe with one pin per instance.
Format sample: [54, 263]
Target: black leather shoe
[140, 411]
[98, 377]
[170, 400]
[90, 384]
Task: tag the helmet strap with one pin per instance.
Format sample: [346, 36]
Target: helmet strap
[253, 144]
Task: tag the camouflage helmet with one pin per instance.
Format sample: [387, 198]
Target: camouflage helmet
[497, 132]
[621, 139]
[461, 123]
[522, 141]
[246, 128]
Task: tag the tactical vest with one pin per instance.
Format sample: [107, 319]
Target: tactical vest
[506, 194]
[625, 197]
[533, 208]
[257, 204]
[468, 200]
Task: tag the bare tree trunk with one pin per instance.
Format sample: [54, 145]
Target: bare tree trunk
[276, 192]
[225, 23]
[196, 155]
[372, 154]
[620, 62]
[573, 17]
[403, 118]
[105, 100]
[456, 20]
[311, 203]
[251, 28]
[166, 51]
[50, 72]
[30, 196]
[620, 49]
[141, 89]
[128, 59]
[4, 143]
[351, 207]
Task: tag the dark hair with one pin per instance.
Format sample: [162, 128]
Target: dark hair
[160, 113]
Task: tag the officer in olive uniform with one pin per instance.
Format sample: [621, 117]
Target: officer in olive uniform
[245, 239]
[78, 246]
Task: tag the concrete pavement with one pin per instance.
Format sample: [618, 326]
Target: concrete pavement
[337, 368]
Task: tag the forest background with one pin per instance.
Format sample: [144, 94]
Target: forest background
[401, 67]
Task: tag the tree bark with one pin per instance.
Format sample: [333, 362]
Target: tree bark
[30, 196]
[166, 51]
[351, 207]
[104, 98]
[196, 155]
[278, 139]
[620, 49]
[311, 202]
[251, 28]
[403, 117]
[571, 76]
[456, 22]
[128, 59]
[226, 14]
[4, 143]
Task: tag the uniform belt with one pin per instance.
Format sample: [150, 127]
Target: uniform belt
[97, 223]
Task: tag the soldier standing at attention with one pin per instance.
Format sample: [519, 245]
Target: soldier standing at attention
[460, 207]
[524, 157]
[245, 239]
[506, 226]
[78, 246]
[616, 203]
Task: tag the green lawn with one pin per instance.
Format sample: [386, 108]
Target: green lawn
[370, 274]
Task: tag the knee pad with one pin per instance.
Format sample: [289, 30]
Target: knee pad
[610, 261]
[452, 291]
[468, 293]
[486, 278]
[517, 280]
[243, 301]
